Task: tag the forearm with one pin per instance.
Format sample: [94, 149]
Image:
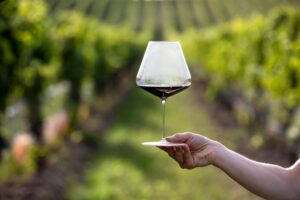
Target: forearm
[265, 180]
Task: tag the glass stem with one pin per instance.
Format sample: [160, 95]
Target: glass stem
[163, 118]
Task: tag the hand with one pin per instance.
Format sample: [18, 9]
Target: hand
[198, 152]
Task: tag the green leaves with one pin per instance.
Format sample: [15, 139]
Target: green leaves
[256, 60]
[39, 49]
[67, 46]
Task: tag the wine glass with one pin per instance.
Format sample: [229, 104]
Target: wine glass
[163, 73]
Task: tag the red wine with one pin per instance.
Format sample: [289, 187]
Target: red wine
[164, 92]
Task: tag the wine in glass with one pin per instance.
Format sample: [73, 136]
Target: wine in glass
[163, 73]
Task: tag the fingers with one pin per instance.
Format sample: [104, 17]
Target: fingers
[189, 162]
[182, 155]
[195, 153]
[179, 137]
[178, 156]
[170, 150]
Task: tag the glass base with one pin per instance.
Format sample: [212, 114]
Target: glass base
[163, 143]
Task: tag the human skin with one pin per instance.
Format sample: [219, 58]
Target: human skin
[265, 180]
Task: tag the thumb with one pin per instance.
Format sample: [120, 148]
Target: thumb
[179, 137]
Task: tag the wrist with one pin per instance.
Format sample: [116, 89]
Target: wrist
[218, 152]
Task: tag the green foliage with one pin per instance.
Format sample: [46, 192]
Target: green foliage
[255, 61]
[90, 50]
[38, 50]
[14, 170]
[25, 48]
[159, 18]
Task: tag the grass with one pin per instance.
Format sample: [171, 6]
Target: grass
[124, 169]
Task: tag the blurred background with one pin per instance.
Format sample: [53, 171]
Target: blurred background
[72, 119]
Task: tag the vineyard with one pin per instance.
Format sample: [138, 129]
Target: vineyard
[69, 108]
[259, 79]
[162, 17]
